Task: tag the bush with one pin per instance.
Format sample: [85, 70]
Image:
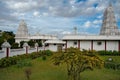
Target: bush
[23, 63]
[15, 45]
[110, 64]
[109, 53]
[34, 55]
[44, 57]
[20, 60]
[47, 53]
[4, 62]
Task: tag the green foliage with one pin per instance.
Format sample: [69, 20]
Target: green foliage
[109, 53]
[21, 43]
[15, 45]
[77, 61]
[48, 52]
[111, 64]
[9, 36]
[44, 70]
[20, 60]
[39, 43]
[34, 55]
[4, 62]
[23, 63]
[44, 57]
[31, 43]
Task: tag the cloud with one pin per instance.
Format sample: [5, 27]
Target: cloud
[97, 22]
[36, 13]
[55, 15]
[87, 24]
[22, 6]
[92, 24]
[5, 13]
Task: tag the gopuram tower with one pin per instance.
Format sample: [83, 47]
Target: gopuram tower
[22, 32]
[109, 26]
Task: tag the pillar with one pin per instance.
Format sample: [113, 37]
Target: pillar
[119, 45]
[92, 45]
[78, 44]
[6, 48]
[105, 45]
[25, 46]
[36, 46]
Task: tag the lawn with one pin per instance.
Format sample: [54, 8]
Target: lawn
[45, 70]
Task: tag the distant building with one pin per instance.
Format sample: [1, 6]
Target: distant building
[23, 35]
[22, 32]
[109, 38]
[109, 26]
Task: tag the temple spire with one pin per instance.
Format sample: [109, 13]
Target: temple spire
[22, 29]
[109, 26]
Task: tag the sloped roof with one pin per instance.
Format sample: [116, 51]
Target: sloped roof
[5, 45]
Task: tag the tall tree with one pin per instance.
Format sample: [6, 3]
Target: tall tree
[77, 61]
[6, 35]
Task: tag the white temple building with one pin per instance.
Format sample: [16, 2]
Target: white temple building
[23, 35]
[108, 39]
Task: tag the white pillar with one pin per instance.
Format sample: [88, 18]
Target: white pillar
[6, 48]
[36, 47]
[26, 47]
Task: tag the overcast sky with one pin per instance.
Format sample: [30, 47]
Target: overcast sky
[56, 16]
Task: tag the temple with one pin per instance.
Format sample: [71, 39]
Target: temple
[109, 26]
[23, 34]
[108, 39]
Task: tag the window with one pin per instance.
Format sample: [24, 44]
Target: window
[54, 44]
[75, 42]
[99, 43]
[46, 45]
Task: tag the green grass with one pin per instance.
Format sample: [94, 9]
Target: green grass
[115, 58]
[45, 70]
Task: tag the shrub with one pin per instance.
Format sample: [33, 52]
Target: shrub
[4, 62]
[34, 55]
[20, 60]
[15, 45]
[46, 52]
[23, 63]
[110, 64]
[44, 57]
[110, 53]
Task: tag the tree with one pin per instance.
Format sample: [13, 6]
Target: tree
[21, 43]
[77, 61]
[31, 43]
[15, 45]
[6, 35]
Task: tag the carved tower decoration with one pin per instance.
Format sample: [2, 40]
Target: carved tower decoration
[109, 26]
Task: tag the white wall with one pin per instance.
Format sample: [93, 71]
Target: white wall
[96, 46]
[112, 45]
[85, 45]
[52, 47]
[71, 44]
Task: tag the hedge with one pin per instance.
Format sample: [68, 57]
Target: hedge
[109, 53]
[6, 62]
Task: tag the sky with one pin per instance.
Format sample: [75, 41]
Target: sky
[56, 16]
